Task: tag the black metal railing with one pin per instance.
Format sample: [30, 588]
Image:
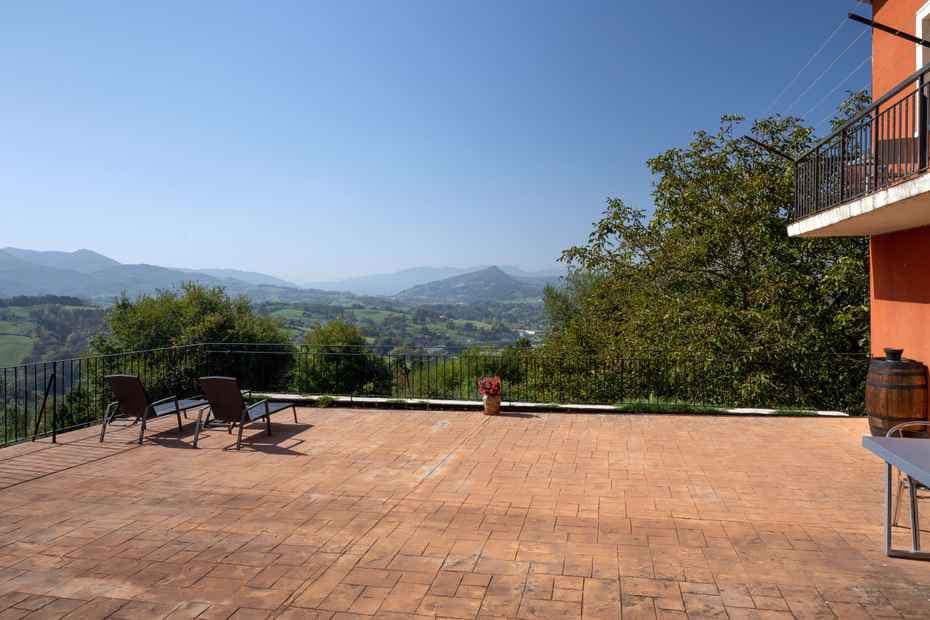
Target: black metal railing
[45, 398]
[39, 399]
[884, 144]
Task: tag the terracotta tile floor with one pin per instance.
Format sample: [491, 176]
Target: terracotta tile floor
[393, 514]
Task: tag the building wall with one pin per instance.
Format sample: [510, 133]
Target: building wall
[900, 292]
[893, 58]
[900, 261]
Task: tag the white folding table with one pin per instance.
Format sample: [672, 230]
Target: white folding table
[912, 457]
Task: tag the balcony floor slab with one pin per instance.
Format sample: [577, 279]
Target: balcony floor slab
[899, 207]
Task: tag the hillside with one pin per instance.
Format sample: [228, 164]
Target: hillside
[386, 284]
[94, 276]
[249, 277]
[46, 327]
[390, 283]
[82, 261]
[485, 285]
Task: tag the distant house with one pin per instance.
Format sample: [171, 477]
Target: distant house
[870, 178]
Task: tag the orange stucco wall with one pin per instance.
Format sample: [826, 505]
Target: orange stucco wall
[900, 292]
[893, 58]
[900, 261]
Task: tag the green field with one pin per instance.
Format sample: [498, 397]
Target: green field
[13, 349]
[45, 327]
[394, 324]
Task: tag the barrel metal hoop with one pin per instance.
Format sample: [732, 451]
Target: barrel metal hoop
[917, 372]
[896, 419]
[885, 386]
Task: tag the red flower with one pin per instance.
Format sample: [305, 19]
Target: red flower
[489, 386]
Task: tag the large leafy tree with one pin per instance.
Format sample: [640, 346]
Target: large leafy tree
[334, 361]
[712, 272]
[190, 315]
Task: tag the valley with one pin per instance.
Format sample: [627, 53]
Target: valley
[53, 303]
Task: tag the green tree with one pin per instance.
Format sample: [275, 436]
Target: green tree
[712, 275]
[334, 361]
[166, 326]
[194, 314]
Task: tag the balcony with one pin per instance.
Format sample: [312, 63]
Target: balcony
[870, 175]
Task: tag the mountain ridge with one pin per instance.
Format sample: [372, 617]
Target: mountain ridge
[488, 284]
[91, 275]
[393, 283]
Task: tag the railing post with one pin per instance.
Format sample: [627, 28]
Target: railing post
[875, 150]
[817, 165]
[922, 122]
[843, 165]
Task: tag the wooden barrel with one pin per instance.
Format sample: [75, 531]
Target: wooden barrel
[895, 392]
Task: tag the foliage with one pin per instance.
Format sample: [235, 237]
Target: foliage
[182, 318]
[711, 275]
[193, 314]
[391, 324]
[46, 327]
[333, 361]
[856, 101]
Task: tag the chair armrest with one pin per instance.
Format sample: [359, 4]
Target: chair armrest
[166, 399]
[898, 427]
[253, 406]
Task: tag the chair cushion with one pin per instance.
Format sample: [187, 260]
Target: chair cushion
[183, 405]
[258, 409]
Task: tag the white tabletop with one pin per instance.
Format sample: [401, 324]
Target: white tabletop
[912, 456]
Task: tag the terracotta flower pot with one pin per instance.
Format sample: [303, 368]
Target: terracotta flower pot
[492, 404]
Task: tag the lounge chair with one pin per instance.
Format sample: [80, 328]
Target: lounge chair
[132, 401]
[227, 406]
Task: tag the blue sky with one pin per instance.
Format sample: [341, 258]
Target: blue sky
[315, 140]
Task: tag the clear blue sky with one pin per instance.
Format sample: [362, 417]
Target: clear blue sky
[314, 140]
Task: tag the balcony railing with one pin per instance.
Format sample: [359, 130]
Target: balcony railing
[883, 145]
[44, 398]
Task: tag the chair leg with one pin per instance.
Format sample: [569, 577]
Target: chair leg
[239, 437]
[198, 427]
[180, 426]
[268, 423]
[111, 411]
[145, 416]
[897, 500]
[294, 409]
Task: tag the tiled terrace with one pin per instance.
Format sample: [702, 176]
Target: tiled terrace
[391, 514]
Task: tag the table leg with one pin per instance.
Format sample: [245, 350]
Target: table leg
[915, 521]
[914, 553]
[888, 476]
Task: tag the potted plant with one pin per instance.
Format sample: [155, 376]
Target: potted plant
[490, 390]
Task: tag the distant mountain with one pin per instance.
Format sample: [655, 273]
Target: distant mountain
[90, 275]
[19, 277]
[390, 283]
[249, 277]
[398, 281]
[82, 261]
[489, 284]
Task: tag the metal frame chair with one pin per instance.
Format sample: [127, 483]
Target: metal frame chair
[905, 481]
[132, 401]
[227, 406]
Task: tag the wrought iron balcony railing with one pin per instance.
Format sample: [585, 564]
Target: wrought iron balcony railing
[883, 145]
[45, 398]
